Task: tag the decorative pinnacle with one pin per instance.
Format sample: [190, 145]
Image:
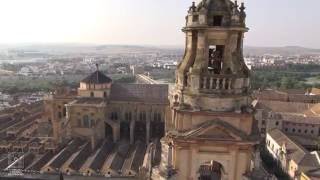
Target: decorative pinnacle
[193, 7]
[236, 4]
[242, 8]
[97, 66]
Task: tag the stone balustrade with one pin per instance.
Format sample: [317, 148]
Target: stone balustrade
[218, 82]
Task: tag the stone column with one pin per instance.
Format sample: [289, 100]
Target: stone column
[170, 156]
[211, 83]
[148, 131]
[230, 84]
[132, 126]
[204, 86]
[218, 84]
[116, 132]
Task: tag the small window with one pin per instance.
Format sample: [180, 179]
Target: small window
[306, 131]
[114, 116]
[195, 18]
[311, 131]
[263, 122]
[104, 94]
[64, 111]
[60, 115]
[277, 123]
[143, 116]
[217, 20]
[86, 121]
[293, 130]
[299, 131]
[91, 94]
[286, 129]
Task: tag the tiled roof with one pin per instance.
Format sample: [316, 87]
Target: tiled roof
[148, 93]
[38, 164]
[88, 101]
[122, 152]
[275, 95]
[65, 154]
[315, 91]
[294, 151]
[299, 118]
[138, 156]
[81, 157]
[101, 156]
[97, 78]
[279, 106]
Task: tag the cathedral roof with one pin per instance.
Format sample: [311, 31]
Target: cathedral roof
[97, 78]
[149, 93]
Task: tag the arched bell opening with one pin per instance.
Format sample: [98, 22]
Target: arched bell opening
[211, 170]
[125, 129]
[108, 131]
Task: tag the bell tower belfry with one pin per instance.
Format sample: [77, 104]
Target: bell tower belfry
[213, 64]
[210, 133]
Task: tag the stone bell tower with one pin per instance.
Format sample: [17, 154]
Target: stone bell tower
[213, 67]
[210, 134]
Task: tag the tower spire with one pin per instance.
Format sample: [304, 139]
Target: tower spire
[97, 66]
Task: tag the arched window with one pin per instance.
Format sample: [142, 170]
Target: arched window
[114, 116]
[104, 94]
[211, 170]
[128, 116]
[86, 121]
[59, 115]
[64, 111]
[157, 117]
[143, 116]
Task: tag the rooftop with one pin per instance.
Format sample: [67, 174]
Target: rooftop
[148, 93]
[306, 160]
[88, 101]
[97, 78]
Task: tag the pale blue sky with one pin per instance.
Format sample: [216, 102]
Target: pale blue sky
[151, 22]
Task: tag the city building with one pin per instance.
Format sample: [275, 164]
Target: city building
[294, 158]
[299, 118]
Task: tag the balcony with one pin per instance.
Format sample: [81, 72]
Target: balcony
[230, 84]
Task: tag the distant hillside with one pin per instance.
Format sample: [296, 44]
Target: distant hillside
[90, 48]
[287, 50]
[79, 49]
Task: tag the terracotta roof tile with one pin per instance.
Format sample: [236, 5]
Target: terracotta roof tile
[148, 93]
[97, 78]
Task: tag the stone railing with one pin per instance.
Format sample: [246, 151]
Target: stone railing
[230, 84]
[217, 82]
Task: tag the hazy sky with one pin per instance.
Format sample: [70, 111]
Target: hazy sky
[153, 22]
